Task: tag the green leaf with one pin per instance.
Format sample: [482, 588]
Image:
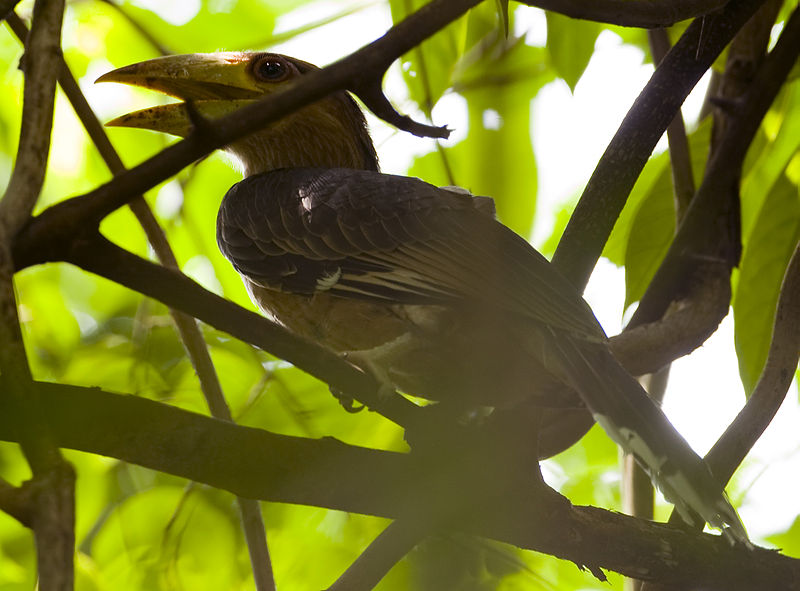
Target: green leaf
[774, 237]
[788, 541]
[169, 549]
[571, 45]
[204, 30]
[649, 216]
[768, 161]
[651, 234]
[617, 245]
[431, 68]
[496, 159]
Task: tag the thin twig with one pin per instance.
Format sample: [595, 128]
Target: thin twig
[638, 492]
[427, 105]
[679, 156]
[381, 555]
[142, 30]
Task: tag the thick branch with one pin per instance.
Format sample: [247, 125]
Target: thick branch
[631, 13]
[740, 436]
[745, 55]
[257, 464]
[684, 327]
[626, 155]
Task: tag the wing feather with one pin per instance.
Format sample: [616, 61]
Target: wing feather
[390, 239]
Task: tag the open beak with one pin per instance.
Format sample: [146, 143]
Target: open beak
[216, 84]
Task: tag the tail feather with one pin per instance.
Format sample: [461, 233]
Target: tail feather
[635, 422]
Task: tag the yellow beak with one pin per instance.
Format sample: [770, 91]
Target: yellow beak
[216, 84]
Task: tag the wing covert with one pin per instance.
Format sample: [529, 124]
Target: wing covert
[388, 238]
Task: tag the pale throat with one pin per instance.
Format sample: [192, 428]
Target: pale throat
[298, 143]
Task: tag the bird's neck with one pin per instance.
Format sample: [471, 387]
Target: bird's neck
[330, 133]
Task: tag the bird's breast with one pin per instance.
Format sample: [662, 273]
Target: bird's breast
[435, 352]
[338, 323]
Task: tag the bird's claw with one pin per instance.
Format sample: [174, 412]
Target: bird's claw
[363, 361]
[348, 403]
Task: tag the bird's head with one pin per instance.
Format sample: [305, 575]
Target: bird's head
[331, 132]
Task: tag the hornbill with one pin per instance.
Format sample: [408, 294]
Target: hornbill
[417, 283]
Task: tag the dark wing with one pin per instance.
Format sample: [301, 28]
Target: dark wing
[362, 234]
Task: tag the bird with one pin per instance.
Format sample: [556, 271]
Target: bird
[420, 284]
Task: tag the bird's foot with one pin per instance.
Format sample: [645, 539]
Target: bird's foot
[364, 361]
[348, 403]
[377, 361]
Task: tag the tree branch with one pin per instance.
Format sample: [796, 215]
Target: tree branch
[326, 473]
[772, 385]
[7, 6]
[620, 166]
[51, 492]
[17, 502]
[383, 553]
[631, 13]
[784, 353]
[705, 244]
[94, 253]
[782, 359]
[741, 435]
[42, 49]
[745, 55]
[679, 157]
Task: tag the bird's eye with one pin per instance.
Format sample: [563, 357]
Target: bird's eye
[271, 68]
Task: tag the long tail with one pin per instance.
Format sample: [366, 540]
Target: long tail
[634, 421]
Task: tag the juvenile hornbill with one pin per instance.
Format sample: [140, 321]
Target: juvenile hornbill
[434, 294]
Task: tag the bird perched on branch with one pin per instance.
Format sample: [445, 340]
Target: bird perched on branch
[417, 283]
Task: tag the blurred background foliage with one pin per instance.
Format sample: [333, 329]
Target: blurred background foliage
[141, 530]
